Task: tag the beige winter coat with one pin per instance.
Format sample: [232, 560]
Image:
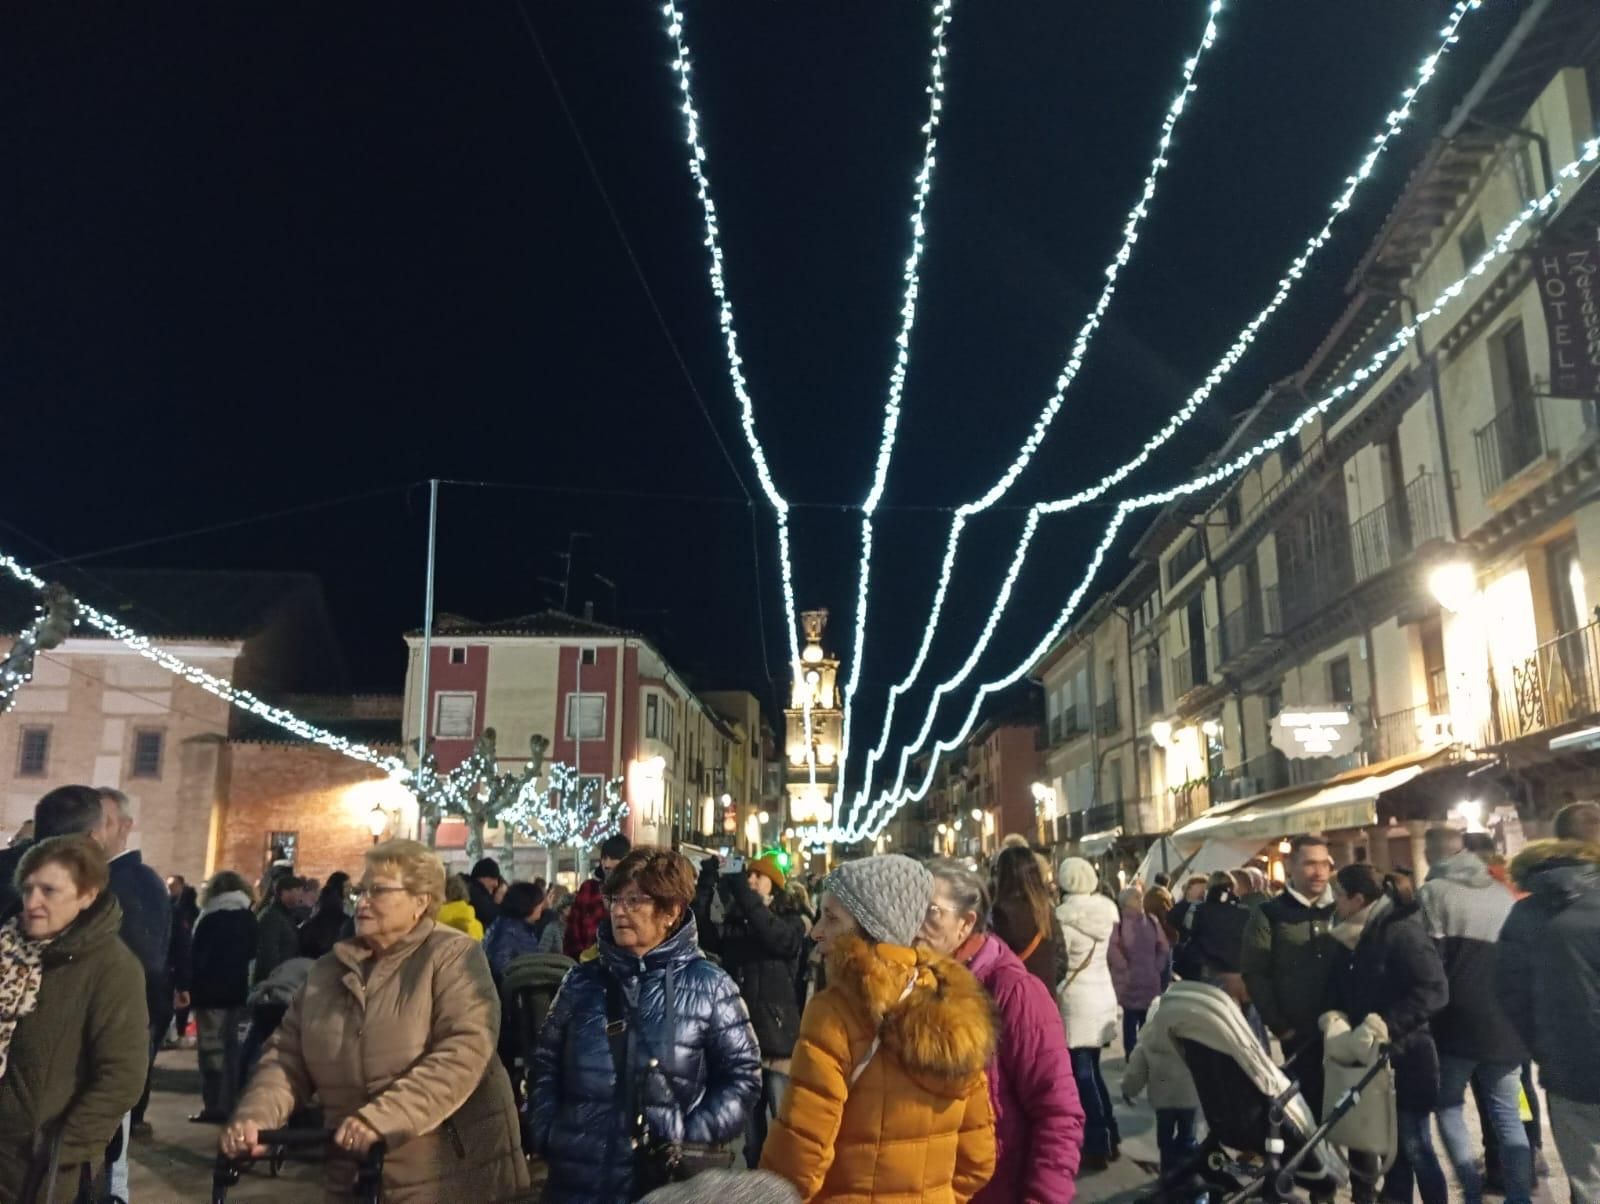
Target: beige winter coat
[406, 1042]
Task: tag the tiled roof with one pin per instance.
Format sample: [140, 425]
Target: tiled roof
[553, 623]
[170, 603]
[377, 733]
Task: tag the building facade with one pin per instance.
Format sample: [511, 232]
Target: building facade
[1382, 623]
[609, 705]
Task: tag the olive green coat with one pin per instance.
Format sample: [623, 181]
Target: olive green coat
[78, 1061]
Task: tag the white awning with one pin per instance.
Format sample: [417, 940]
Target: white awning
[1351, 804]
[1097, 843]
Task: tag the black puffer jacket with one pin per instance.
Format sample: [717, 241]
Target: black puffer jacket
[1547, 973]
[760, 949]
[1395, 971]
[224, 946]
[692, 1055]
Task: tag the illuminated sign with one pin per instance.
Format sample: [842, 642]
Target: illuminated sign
[1315, 732]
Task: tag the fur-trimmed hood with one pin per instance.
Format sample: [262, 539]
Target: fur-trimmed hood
[1557, 871]
[943, 1032]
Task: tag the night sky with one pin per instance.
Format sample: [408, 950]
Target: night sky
[262, 255]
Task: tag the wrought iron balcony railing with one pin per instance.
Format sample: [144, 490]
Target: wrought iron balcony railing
[1387, 535]
[1560, 682]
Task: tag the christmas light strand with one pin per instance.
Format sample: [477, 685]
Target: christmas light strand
[730, 339]
[681, 66]
[902, 354]
[243, 699]
[894, 798]
[568, 809]
[1394, 122]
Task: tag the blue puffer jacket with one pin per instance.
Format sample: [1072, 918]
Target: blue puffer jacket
[705, 1078]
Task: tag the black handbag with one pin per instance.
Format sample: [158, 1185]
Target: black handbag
[656, 1161]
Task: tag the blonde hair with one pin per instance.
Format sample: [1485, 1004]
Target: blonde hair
[416, 865]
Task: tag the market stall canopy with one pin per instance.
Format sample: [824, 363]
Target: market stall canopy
[1346, 801]
[1096, 843]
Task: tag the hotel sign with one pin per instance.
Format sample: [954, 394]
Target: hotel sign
[1315, 732]
[1569, 287]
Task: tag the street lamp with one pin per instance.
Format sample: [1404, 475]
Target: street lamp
[1453, 584]
[377, 821]
[765, 817]
[977, 816]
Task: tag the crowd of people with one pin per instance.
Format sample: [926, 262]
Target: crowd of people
[897, 1030]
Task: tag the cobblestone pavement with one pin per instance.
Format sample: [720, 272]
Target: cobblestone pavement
[174, 1165]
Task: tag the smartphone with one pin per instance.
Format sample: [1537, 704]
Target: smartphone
[733, 865]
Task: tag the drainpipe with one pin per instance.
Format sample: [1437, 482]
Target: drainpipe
[1133, 710]
[1094, 719]
[1432, 362]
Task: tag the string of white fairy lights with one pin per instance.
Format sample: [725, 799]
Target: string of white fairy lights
[225, 690]
[1130, 235]
[1394, 122]
[902, 355]
[897, 796]
[682, 66]
[730, 337]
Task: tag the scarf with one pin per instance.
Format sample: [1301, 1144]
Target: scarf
[21, 975]
[1348, 932]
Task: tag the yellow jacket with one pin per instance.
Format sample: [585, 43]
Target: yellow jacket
[460, 916]
[916, 1125]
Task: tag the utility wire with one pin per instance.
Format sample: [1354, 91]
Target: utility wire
[211, 528]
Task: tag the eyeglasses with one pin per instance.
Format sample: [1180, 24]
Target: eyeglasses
[628, 902]
[362, 890]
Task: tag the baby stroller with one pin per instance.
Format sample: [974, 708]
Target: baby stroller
[1263, 1141]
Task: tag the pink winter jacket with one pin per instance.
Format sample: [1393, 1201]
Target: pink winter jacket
[1038, 1121]
[1139, 956]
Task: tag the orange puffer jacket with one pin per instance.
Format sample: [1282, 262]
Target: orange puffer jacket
[916, 1125]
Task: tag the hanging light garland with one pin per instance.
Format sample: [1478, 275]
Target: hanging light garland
[568, 809]
[682, 65]
[225, 690]
[895, 797]
[1130, 235]
[52, 623]
[1394, 122]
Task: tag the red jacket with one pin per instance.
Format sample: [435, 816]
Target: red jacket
[1038, 1121]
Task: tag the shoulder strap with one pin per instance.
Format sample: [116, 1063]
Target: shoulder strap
[1025, 954]
[877, 1037]
[618, 1037]
[1083, 965]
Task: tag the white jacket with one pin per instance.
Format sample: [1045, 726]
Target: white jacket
[1088, 999]
[1157, 1061]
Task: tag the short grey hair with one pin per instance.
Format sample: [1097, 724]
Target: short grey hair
[966, 887]
[124, 807]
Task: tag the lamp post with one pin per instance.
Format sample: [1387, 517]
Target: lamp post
[377, 822]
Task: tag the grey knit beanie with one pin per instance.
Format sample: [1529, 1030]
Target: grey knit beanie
[888, 895]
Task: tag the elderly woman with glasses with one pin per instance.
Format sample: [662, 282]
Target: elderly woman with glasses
[395, 1034]
[647, 1064]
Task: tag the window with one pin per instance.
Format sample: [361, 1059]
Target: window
[587, 656]
[1527, 174]
[652, 716]
[458, 656]
[455, 716]
[1289, 452]
[1191, 553]
[586, 716]
[147, 746]
[33, 752]
[1232, 511]
[1471, 242]
[1339, 687]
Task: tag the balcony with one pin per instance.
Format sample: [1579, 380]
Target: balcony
[1560, 682]
[1511, 441]
[1399, 733]
[1386, 536]
[1068, 725]
[1102, 817]
[1316, 583]
[1243, 627]
[1106, 719]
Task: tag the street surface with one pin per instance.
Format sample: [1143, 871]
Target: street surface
[174, 1165]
